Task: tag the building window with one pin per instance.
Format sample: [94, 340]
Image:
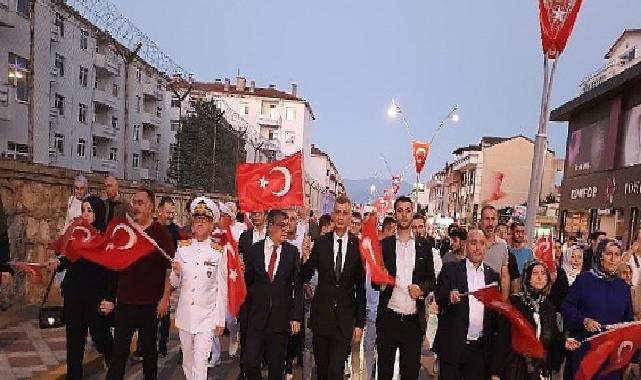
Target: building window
[59, 143]
[81, 147]
[84, 37]
[138, 103]
[18, 71]
[158, 139]
[82, 113]
[114, 122]
[172, 149]
[138, 74]
[273, 112]
[175, 102]
[175, 125]
[290, 137]
[60, 23]
[60, 64]
[272, 134]
[15, 150]
[94, 149]
[159, 111]
[59, 103]
[84, 76]
[22, 7]
[113, 152]
[290, 113]
[244, 108]
[135, 162]
[114, 90]
[136, 132]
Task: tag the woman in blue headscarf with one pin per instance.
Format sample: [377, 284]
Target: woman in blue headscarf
[597, 298]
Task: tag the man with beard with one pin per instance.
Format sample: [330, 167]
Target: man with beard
[496, 253]
[115, 204]
[401, 319]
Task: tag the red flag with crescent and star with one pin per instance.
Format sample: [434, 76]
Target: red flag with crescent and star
[544, 251]
[616, 346]
[32, 270]
[80, 230]
[420, 150]
[266, 186]
[372, 254]
[236, 287]
[122, 244]
[557, 18]
[524, 338]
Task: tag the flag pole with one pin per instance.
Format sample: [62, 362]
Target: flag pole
[540, 147]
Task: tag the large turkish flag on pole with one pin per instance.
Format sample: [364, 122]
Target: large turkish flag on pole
[276, 184]
[420, 150]
[557, 19]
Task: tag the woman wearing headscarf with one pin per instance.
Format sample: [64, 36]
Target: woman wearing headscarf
[537, 309]
[89, 292]
[565, 275]
[597, 298]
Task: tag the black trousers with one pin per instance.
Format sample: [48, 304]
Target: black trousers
[260, 344]
[471, 368]
[330, 354]
[405, 335]
[78, 319]
[163, 334]
[130, 318]
[295, 347]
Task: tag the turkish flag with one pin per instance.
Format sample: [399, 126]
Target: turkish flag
[544, 252]
[396, 183]
[557, 18]
[617, 346]
[524, 340]
[80, 230]
[420, 151]
[123, 243]
[236, 287]
[32, 270]
[381, 206]
[497, 191]
[371, 252]
[276, 184]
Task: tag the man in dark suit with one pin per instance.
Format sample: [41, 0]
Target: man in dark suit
[401, 320]
[338, 307]
[466, 331]
[272, 276]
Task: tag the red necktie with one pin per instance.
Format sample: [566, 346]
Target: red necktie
[272, 263]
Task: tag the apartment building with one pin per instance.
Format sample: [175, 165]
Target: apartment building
[323, 182]
[71, 100]
[496, 172]
[277, 123]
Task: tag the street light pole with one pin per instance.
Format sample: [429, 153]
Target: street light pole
[181, 97]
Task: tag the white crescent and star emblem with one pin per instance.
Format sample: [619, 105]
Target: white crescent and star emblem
[626, 344]
[85, 231]
[233, 274]
[421, 151]
[263, 182]
[130, 242]
[367, 244]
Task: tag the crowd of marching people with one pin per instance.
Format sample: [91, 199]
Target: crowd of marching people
[314, 300]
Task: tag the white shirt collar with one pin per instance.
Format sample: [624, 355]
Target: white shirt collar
[398, 238]
[470, 267]
[344, 237]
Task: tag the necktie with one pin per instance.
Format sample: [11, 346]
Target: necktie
[338, 265]
[272, 263]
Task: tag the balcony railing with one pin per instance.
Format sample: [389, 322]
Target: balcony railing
[102, 165]
[4, 102]
[106, 62]
[104, 97]
[609, 70]
[149, 118]
[148, 145]
[152, 90]
[7, 13]
[104, 131]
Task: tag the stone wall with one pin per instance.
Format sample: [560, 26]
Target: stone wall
[35, 200]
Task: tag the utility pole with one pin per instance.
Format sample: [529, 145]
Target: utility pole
[30, 80]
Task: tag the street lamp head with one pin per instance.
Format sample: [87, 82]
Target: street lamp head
[393, 109]
[454, 116]
[372, 188]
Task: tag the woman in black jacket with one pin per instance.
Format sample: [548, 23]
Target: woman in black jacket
[537, 309]
[89, 293]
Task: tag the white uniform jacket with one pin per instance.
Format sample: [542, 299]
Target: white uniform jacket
[202, 301]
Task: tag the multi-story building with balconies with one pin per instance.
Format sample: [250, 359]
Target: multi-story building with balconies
[65, 101]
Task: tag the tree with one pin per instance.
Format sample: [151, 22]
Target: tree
[207, 151]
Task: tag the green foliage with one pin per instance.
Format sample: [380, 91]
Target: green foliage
[207, 151]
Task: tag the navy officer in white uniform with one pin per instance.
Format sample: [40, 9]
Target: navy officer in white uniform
[200, 272]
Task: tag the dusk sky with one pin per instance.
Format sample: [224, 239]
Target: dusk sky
[350, 58]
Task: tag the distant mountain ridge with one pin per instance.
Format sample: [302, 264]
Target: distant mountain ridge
[358, 189]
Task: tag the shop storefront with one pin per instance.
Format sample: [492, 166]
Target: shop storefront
[601, 189]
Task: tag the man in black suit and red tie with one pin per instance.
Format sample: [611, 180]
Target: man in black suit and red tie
[401, 321]
[338, 307]
[272, 276]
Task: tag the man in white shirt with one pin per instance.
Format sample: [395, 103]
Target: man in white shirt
[401, 320]
[466, 334]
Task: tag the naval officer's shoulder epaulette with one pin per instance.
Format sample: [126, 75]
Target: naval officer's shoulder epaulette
[184, 243]
[216, 246]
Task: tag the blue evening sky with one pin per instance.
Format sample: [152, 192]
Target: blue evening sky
[350, 57]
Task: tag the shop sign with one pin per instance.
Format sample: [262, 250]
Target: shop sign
[588, 192]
